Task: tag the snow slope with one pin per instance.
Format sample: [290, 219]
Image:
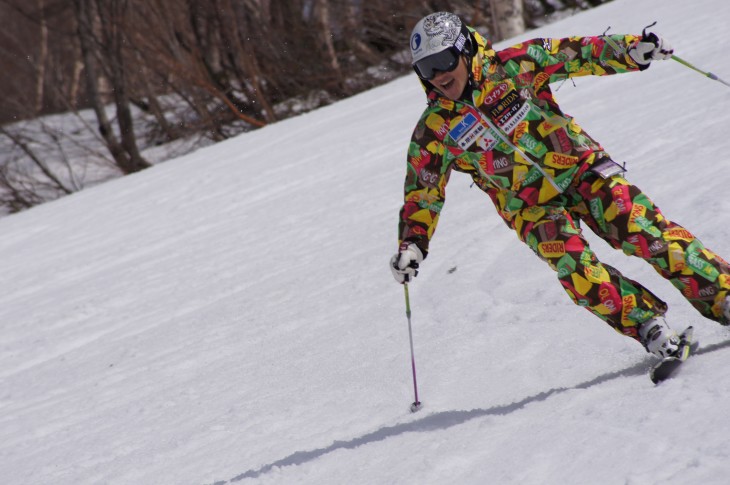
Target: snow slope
[228, 317]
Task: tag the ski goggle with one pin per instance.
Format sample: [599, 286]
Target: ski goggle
[444, 61]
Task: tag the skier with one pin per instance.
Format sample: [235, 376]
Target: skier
[492, 115]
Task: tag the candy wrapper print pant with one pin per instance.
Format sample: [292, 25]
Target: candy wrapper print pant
[622, 215]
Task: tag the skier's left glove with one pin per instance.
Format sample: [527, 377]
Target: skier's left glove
[404, 265]
[651, 47]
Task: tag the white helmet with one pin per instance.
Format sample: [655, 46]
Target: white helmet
[437, 42]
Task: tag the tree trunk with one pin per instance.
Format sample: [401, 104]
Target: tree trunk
[42, 59]
[118, 78]
[324, 31]
[84, 18]
[507, 18]
[126, 154]
[244, 62]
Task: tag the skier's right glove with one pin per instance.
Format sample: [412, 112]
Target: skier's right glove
[651, 47]
[404, 265]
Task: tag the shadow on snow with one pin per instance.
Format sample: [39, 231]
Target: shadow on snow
[445, 419]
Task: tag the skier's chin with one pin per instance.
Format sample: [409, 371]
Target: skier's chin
[451, 89]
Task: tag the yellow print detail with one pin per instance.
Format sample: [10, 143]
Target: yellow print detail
[551, 249]
[559, 160]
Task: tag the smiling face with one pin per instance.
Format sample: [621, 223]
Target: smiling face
[452, 83]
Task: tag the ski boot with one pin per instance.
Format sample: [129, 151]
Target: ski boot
[659, 339]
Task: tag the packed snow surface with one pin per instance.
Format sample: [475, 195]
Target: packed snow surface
[229, 316]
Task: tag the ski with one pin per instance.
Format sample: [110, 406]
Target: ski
[664, 369]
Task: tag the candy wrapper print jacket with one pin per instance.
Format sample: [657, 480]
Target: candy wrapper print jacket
[507, 131]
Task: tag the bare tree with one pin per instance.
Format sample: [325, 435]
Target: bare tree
[107, 45]
[153, 71]
[38, 161]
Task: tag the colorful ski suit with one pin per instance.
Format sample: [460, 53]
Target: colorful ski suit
[545, 174]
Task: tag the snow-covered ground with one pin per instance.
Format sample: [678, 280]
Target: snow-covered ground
[229, 317]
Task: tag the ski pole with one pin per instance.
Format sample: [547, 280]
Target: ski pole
[416, 403]
[708, 74]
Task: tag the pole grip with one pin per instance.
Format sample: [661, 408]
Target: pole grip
[408, 300]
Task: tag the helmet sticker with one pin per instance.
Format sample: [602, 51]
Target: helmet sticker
[415, 41]
[443, 28]
[437, 32]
